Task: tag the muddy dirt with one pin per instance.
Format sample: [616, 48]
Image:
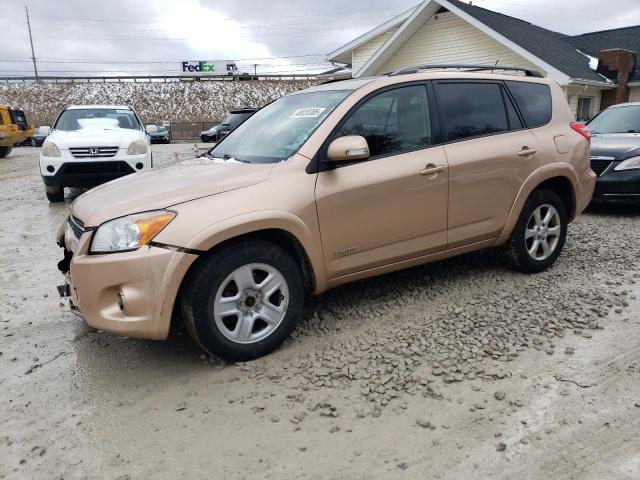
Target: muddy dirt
[460, 369]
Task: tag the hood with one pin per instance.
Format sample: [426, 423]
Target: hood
[162, 188]
[95, 137]
[617, 146]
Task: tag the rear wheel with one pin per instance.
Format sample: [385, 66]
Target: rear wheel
[540, 234]
[4, 151]
[242, 301]
[54, 194]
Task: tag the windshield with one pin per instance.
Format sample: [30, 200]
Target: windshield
[278, 130]
[162, 129]
[617, 120]
[75, 119]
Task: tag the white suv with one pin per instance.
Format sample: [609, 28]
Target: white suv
[92, 144]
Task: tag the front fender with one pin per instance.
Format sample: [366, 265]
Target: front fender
[538, 176]
[308, 237]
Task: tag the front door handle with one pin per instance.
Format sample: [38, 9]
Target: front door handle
[526, 152]
[431, 169]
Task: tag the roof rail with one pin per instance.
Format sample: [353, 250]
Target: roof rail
[468, 68]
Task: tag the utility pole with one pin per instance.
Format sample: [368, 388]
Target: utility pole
[33, 55]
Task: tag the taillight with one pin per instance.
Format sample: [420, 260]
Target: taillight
[582, 129]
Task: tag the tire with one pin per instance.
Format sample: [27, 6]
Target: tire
[530, 235]
[4, 151]
[54, 194]
[213, 279]
[34, 143]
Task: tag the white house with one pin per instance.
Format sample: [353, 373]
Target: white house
[595, 70]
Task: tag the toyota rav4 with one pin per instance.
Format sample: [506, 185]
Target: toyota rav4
[322, 187]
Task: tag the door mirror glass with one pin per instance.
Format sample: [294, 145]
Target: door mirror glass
[347, 149]
[151, 129]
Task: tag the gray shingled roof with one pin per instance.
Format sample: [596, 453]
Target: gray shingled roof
[627, 38]
[550, 46]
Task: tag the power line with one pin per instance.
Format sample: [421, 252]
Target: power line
[227, 19]
[141, 62]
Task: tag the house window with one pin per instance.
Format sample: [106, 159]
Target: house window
[584, 112]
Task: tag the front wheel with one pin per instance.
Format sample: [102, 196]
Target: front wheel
[540, 234]
[242, 301]
[54, 194]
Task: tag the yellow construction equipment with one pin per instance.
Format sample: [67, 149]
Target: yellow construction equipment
[13, 128]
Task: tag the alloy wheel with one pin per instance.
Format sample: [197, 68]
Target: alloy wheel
[251, 303]
[542, 233]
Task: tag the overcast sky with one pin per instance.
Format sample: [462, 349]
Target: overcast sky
[278, 35]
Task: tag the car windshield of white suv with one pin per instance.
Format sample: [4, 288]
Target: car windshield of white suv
[106, 118]
[277, 131]
[617, 120]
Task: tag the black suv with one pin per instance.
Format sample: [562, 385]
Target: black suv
[615, 152]
[231, 121]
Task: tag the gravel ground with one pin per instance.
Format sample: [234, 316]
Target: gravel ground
[459, 369]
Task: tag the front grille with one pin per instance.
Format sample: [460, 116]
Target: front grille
[95, 167]
[77, 227]
[600, 166]
[93, 152]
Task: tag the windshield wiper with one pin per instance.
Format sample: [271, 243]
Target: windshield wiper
[226, 156]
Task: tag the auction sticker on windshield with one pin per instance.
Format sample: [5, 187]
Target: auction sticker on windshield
[311, 112]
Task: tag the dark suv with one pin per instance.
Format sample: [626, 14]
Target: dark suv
[231, 121]
[615, 152]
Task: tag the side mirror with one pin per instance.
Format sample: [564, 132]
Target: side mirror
[151, 129]
[347, 149]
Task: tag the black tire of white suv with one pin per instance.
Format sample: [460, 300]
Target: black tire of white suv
[54, 194]
[540, 234]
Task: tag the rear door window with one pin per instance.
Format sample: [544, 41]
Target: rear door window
[534, 102]
[472, 109]
[392, 122]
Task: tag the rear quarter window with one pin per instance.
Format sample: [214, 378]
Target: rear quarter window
[533, 100]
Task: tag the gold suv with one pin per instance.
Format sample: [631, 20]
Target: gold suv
[322, 187]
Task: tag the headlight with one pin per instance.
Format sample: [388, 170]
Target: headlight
[629, 164]
[137, 147]
[130, 232]
[49, 149]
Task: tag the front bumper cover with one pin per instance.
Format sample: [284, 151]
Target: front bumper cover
[618, 185]
[127, 293]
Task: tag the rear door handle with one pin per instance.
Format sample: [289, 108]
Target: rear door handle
[525, 152]
[433, 170]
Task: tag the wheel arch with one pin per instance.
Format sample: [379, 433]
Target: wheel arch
[278, 236]
[560, 179]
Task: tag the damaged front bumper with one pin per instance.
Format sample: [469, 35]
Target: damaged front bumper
[127, 293]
